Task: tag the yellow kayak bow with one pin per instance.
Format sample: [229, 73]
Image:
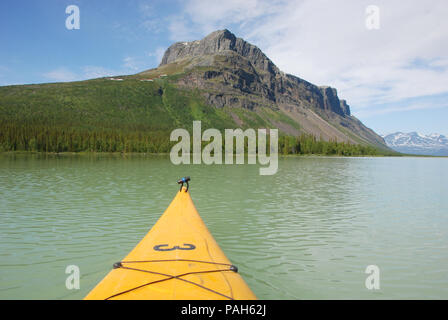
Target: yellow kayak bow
[177, 259]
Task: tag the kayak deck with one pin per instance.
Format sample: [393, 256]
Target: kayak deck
[177, 259]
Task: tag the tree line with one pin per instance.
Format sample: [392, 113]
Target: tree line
[56, 139]
[309, 144]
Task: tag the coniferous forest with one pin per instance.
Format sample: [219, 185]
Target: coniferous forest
[131, 116]
[58, 139]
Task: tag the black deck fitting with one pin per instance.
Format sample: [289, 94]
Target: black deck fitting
[182, 181]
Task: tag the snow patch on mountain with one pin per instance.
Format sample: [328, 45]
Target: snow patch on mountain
[417, 143]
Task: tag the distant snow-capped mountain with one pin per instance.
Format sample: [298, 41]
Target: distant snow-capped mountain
[415, 143]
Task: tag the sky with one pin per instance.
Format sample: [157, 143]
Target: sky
[389, 61]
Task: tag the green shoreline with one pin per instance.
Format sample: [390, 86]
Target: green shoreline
[88, 153]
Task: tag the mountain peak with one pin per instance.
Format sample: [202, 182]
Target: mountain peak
[250, 64]
[219, 42]
[231, 72]
[224, 33]
[214, 42]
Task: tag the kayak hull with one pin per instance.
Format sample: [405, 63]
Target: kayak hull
[178, 259]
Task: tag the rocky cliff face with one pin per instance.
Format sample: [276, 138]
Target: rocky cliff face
[233, 73]
[263, 76]
[331, 101]
[216, 42]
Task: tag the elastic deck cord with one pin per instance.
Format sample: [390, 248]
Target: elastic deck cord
[178, 277]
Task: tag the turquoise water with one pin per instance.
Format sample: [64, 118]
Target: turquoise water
[307, 232]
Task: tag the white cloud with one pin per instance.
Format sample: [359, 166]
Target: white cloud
[134, 64]
[147, 9]
[130, 63]
[157, 54]
[179, 29]
[327, 43]
[61, 74]
[64, 74]
[217, 14]
[370, 112]
[91, 72]
[199, 18]
[151, 21]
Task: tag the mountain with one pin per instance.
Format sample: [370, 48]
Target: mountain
[221, 80]
[416, 143]
[234, 74]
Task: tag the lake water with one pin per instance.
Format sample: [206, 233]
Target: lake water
[307, 232]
